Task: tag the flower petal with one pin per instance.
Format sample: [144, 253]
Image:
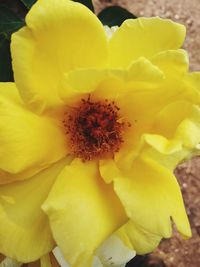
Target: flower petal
[151, 195]
[172, 61]
[10, 262]
[83, 211]
[137, 103]
[57, 39]
[22, 218]
[162, 144]
[194, 79]
[177, 128]
[165, 123]
[27, 140]
[142, 75]
[58, 256]
[138, 239]
[173, 134]
[45, 261]
[113, 253]
[176, 95]
[169, 161]
[134, 90]
[108, 170]
[190, 124]
[144, 37]
[78, 83]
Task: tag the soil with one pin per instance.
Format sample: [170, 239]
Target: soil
[175, 252]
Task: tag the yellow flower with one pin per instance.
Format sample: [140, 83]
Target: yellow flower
[91, 132]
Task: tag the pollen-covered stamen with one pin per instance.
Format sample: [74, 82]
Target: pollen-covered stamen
[94, 129]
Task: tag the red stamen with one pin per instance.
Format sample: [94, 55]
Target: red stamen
[94, 129]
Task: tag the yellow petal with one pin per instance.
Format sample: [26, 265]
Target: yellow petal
[169, 161]
[173, 134]
[172, 61]
[166, 123]
[144, 84]
[162, 144]
[26, 139]
[82, 82]
[136, 238]
[177, 95]
[189, 129]
[151, 196]
[57, 39]
[24, 233]
[134, 90]
[179, 128]
[144, 37]
[108, 170]
[83, 211]
[142, 70]
[110, 83]
[45, 261]
[194, 79]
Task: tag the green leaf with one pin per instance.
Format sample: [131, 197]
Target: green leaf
[9, 21]
[87, 3]
[115, 16]
[6, 73]
[28, 3]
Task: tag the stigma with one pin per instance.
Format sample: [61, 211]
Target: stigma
[94, 129]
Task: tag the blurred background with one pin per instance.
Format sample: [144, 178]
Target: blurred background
[174, 252]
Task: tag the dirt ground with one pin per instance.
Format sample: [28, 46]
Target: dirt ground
[176, 252]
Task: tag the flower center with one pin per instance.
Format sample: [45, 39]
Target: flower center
[94, 129]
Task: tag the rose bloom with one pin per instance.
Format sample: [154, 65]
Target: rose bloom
[91, 132]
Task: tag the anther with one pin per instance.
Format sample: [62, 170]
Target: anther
[95, 128]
